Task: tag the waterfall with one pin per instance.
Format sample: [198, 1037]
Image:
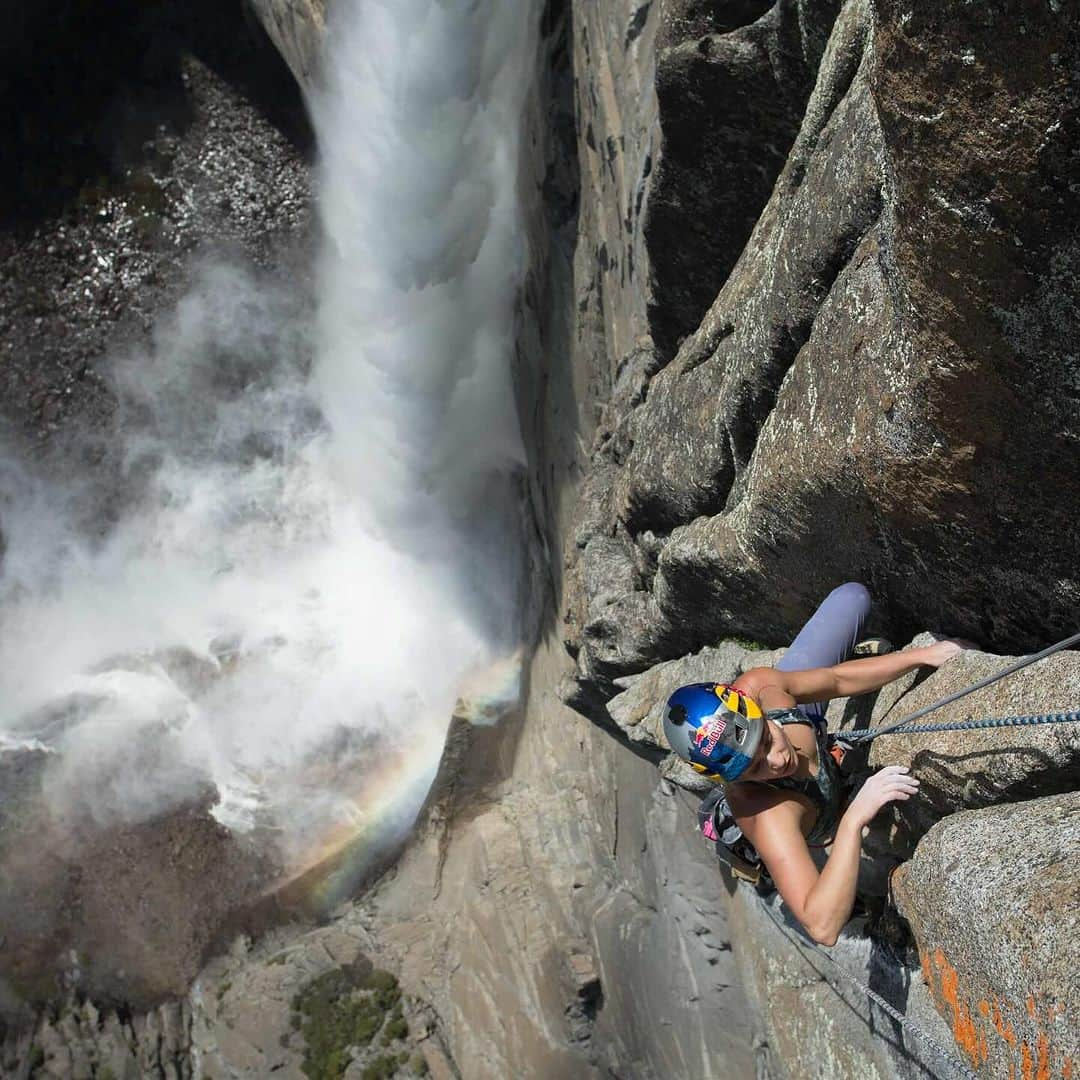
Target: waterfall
[315, 545]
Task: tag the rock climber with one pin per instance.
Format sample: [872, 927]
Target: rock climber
[764, 737]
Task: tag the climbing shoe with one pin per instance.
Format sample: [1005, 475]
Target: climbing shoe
[872, 646]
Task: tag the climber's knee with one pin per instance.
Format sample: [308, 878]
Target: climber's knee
[854, 597]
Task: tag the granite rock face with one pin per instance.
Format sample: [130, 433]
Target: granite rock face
[992, 896]
[558, 914]
[859, 214]
[847, 406]
[811, 1020]
[297, 28]
[732, 82]
[964, 770]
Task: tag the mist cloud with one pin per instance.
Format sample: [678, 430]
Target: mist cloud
[314, 543]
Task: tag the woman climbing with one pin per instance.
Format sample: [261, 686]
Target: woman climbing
[766, 731]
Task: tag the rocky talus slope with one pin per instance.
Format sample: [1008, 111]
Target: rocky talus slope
[153, 139]
[804, 310]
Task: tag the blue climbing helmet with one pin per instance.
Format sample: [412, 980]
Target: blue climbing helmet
[713, 727]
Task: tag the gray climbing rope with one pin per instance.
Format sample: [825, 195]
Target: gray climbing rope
[866, 734]
[905, 1022]
[1023, 662]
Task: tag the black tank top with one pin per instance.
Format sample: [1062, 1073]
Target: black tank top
[824, 790]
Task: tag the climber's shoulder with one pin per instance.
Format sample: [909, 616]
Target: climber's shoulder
[770, 688]
[752, 801]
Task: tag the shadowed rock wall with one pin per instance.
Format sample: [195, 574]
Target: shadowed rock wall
[884, 387]
[296, 27]
[732, 81]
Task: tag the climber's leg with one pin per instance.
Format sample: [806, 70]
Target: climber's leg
[828, 636]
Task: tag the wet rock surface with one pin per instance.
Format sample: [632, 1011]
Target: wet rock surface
[124, 913]
[296, 27]
[153, 138]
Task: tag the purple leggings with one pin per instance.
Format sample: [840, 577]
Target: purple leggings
[828, 637]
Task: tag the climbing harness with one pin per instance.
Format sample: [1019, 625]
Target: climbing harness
[866, 734]
[905, 1022]
[718, 824]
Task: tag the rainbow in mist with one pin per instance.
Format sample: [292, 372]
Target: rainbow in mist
[325, 547]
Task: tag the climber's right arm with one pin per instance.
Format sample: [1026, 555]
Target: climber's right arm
[773, 822]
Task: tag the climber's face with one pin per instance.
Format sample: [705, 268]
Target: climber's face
[775, 756]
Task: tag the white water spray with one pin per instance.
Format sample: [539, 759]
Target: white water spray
[306, 568]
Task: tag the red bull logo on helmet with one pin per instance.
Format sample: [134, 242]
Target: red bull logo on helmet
[708, 735]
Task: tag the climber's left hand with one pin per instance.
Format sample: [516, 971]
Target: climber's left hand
[941, 652]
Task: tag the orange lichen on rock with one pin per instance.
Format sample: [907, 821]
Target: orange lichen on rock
[971, 1025]
[1042, 1058]
[1003, 1027]
[964, 1031]
[927, 972]
[984, 1012]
